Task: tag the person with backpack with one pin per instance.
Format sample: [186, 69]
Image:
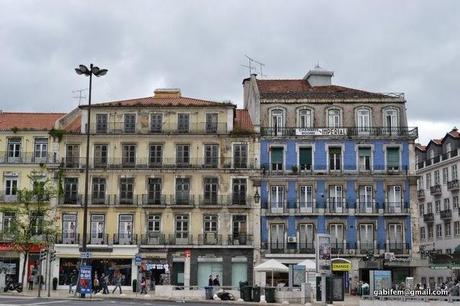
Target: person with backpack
[143, 286]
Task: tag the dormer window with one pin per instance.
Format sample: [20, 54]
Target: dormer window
[334, 119]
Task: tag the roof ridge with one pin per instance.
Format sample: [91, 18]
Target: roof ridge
[35, 113]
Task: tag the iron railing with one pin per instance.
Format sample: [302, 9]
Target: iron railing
[409, 132]
[165, 128]
[27, 158]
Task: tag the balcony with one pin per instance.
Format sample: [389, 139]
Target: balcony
[180, 239]
[145, 163]
[421, 194]
[239, 239]
[364, 208]
[200, 128]
[276, 247]
[27, 158]
[7, 198]
[153, 200]
[395, 208]
[453, 185]
[446, 214]
[98, 239]
[306, 247]
[428, 218]
[124, 239]
[366, 247]
[68, 238]
[210, 238]
[153, 238]
[336, 206]
[438, 158]
[219, 201]
[436, 190]
[6, 237]
[404, 132]
[398, 248]
[306, 208]
[275, 207]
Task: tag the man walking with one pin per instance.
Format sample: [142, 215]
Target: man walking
[104, 282]
[118, 281]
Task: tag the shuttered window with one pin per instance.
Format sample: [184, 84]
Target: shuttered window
[305, 158]
[277, 158]
[392, 158]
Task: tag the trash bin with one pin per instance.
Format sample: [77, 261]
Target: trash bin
[270, 294]
[209, 293]
[256, 294]
[246, 293]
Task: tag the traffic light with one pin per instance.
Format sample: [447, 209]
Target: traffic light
[52, 255]
[43, 254]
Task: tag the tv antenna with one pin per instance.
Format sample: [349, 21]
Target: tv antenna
[80, 95]
[250, 65]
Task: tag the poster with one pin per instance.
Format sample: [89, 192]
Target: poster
[298, 275]
[323, 253]
[85, 280]
[380, 279]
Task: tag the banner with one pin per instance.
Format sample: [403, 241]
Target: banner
[323, 254]
[86, 284]
[321, 131]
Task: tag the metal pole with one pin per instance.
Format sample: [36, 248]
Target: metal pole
[85, 200]
[49, 272]
[39, 277]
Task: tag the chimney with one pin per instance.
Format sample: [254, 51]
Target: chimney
[319, 76]
[167, 93]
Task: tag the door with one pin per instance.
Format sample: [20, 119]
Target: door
[336, 232]
[277, 237]
[11, 188]
[239, 230]
[239, 192]
[97, 229]
[395, 237]
[365, 199]
[306, 199]
[335, 199]
[391, 121]
[210, 190]
[153, 229]
[14, 150]
[306, 234]
[154, 195]
[364, 121]
[277, 198]
[182, 191]
[394, 199]
[41, 150]
[73, 156]
[277, 122]
[69, 228]
[211, 156]
[366, 237]
[125, 229]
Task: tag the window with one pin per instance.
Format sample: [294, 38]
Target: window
[183, 155]
[445, 175]
[126, 190]
[69, 228]
[182, 191]
[239, 187]
[239, 228]
[277, 198]
[129, 155]
[438, 230]
[41, 150]
[428, 180]
[97, 229]
[125, 228]
[277, 236]
[366, 199]
[420, 183]
[100, 155]
[210, 224]
[364, 120]
[156, 122]
[155, 155]
[455, 202]
[437, 205]
[154, 191]
[211, 185]
[277, 156]
[430, 231]
[457, 228]
[70, 190]
[153, 224]
[437, 180]
[366, 236]
[211, 155]
[337, 235]
[211, 123]
[446, 203]
[335, 198]
[8, 223]
[447, 229]
[181, 227]
[240, 156]
[304, 119]
[333, 118]
[448, 147]
[14, 149]
[335, 158]
[72, 156]
[36, 221]
[277, 121]
[429, 208]
[305, 159]
[454, 172]
[364, 159]
[395, 235]
[306, 199]
[421, 210]
[130, 123]
[183, 122]
[422, 233]
[101, 123]
[390, 120]
[392, 158]
[394, 198]
[11, 187]
[99, 188]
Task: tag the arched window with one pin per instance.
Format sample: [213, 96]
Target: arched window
[334, 118]
[277, 119]
[391, 120]
[363, 120]
[304, 118]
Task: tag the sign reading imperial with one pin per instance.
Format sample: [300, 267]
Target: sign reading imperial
[321, 131]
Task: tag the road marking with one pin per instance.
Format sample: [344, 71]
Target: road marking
[44, 303]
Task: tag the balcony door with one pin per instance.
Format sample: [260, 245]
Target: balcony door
[97, 229]
[337, 235]
[277, 198]
[277, 121]
[365, 199]
[366, 236]
[277, 237]
[125, 228]
[183, 191]
[306, 236]
[395, 236]
[306, 199]
[69, 228]
[335, 199]
[394, 199]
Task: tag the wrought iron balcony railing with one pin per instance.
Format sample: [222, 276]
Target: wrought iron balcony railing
[406, 132]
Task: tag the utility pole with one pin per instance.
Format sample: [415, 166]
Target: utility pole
[49, 272]
[43, 254]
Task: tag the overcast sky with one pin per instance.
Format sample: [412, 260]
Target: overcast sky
[199, 46]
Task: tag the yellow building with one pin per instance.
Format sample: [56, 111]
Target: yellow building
[26, 148]
[171, 180]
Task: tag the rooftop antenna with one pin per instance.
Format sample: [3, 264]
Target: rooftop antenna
[80, 95]
[251, 67]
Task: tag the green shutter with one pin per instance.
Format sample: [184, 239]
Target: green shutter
[364, 152]
[393, 157]
[277, 155]
[305, 156]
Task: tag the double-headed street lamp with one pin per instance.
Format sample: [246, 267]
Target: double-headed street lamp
[83, 70]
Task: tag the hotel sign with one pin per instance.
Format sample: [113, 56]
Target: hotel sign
[321, 132]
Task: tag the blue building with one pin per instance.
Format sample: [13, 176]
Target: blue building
[334, 160]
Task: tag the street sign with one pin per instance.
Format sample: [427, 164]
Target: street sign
[85, 255]
[138, 260]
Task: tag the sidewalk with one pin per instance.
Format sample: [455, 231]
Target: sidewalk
[64, 294]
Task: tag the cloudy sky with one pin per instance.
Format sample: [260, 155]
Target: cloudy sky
[199, 46]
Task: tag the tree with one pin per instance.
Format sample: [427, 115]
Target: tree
[31, 219]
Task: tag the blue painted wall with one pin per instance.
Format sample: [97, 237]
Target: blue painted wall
[351, 194]
[291, 194]
[379, 157]
[351, 229]
[263, 194]
[320, 191]
[379, 193]
[349, 155]
[406, 195]
[320, 155]
[321, 225]
[408, 231]
[381, 232]
[264, 229]
[292, 230]
[405, 156]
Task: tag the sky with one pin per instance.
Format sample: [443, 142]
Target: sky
[199, 46]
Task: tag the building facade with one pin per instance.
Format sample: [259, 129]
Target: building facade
[171, 181]
[438, 203]
[338, 161]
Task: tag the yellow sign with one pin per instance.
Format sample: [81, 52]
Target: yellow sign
[341, 266]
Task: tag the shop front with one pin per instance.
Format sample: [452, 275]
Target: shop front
[341, 268]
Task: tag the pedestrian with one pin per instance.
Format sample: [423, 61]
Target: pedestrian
[30, 281]
[72, 280]
[104, 282]
[117, 283]
[96, 285]
[210, 282]
[216, 281]
[143, 286]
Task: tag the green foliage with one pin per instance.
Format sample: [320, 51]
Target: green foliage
[15, 129]
[57, 133]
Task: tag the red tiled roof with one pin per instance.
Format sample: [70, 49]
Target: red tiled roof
[301, 89]
[243, 121]
[28, 121]
[163, 102]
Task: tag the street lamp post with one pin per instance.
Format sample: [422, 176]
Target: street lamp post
[83, 70]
